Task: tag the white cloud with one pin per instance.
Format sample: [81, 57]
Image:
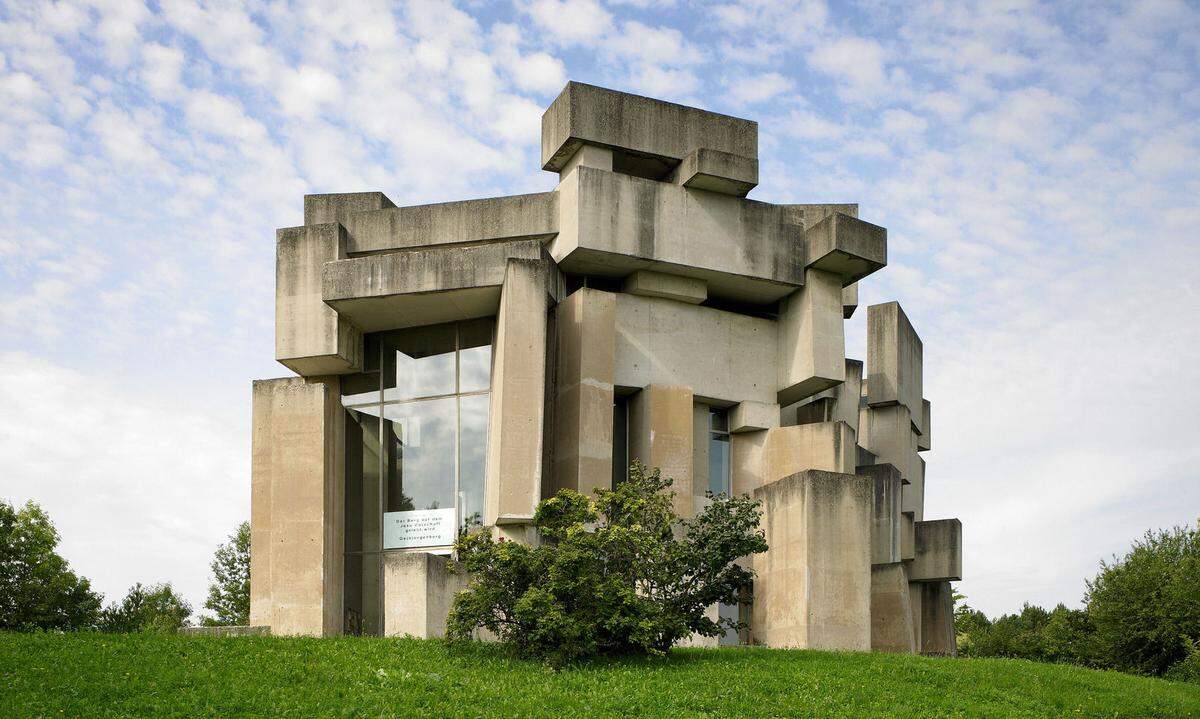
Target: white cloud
[759, 88]
[569, 22]
[857, 64]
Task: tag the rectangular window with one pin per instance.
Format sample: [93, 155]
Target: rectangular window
[719, 466]
[620, 461]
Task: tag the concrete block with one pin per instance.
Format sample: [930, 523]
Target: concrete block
[583, 424]
[828, 446]
[311, 339]
[839, 403]
[716, 171]
[891, 610]
[296, 506]
[813, 586]
[916, 598]
[671, 287]
[894, 358]
[515, 425]
[600, 158]
[814, 410]
[887, 433]
[849, 300]
[418, 592]
[492, 219]
[938, 555]
[886, 523]
[661, 435]
[421, 287]
[719, 355]
[913, 495]
[653, 129]
[338, 207]
[812, 343]
[923, 440]
[751, 416]
[846, 246]
[937, 620]
[908, 536]
[611, 225]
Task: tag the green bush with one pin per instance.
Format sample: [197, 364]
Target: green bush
[617, 574]
[38, 590]
[147, 609]
[1146, 606]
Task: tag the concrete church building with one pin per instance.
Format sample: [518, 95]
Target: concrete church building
[459, 362]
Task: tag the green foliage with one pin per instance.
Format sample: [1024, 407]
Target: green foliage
[38, 590]
[1062, 635]
[1146, 606]
[617, 574]
[1187, 669]
[229, 593]
[146, 609]
[164, 675]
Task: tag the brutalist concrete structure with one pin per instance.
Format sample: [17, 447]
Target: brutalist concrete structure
[459, 362]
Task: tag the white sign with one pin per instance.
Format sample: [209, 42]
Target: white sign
[419, 528]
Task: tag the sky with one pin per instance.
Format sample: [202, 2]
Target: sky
[1037, 167]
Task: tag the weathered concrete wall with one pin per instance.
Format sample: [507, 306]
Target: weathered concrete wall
[310, 338]
[886, 522]
[660, 435]
[418, 592]
[671, 287]
[583, 431]
[716, 171]
[515, 426]
[894, 358]
[891, 610]
[296, 506]
[938, 555]
[533, 216]
[937, 620]
[813, 587]
[827, 446]
[889, 436]
[598, 116]
[612, 224]
[339, 206]
[719, 355]
[846, 246]
[924, 442]
[812, 341]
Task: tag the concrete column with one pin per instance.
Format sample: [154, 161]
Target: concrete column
[814, 583]
[828, 446]
[583, 441]
[886, 517]
[515, 441]
[812, 343]
[891, 610]
[937, 619]
[296, 506]
[418, 592]
[895, 360]
[915, 600]
[661, 435]
[588, 156]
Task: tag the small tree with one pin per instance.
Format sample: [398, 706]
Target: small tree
[229, 593]
[620, 573]
[38, 590]
[147, 609]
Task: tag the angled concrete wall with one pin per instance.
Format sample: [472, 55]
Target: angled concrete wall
[583, 432]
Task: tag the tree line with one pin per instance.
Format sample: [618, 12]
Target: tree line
[1141, 615]
[40, 591]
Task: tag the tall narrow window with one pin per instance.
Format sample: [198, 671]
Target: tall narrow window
[719, 467]
[620, 461]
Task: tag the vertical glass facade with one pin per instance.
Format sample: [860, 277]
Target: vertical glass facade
[719, 467]
[416, 446]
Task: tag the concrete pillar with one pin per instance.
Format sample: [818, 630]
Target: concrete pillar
[583, 441]
[813, 586]
[296, 506]
[660, 435]
[310, 338]
[812, 344]
[886, 517]
[588, 156]
[891, 610]
[937, 619]
[515, 424]
[828, 446]
[915, 600]
[418, 592]
[895, 359]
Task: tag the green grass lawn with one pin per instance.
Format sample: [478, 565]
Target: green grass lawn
[174, 676]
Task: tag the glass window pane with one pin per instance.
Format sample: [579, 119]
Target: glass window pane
[620, 460]
[418, 362]
[718, 463]
[420, 454]
[359, 390]
[472, 456]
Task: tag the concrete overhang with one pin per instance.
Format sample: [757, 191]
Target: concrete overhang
[419, 287]
[938, 551]
[846, 246]
[639, 125]
[716, 171]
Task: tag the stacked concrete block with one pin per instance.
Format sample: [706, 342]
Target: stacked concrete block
[643, 309]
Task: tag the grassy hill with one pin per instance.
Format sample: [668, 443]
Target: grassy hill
[172, 676]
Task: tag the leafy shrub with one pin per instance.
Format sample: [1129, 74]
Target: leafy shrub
[38, 590]
[1187, 669]
[1146, 606]
[229, 593]
[147, 609]
[620, 573]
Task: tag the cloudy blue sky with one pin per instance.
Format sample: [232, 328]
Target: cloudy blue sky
[1037, 165]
